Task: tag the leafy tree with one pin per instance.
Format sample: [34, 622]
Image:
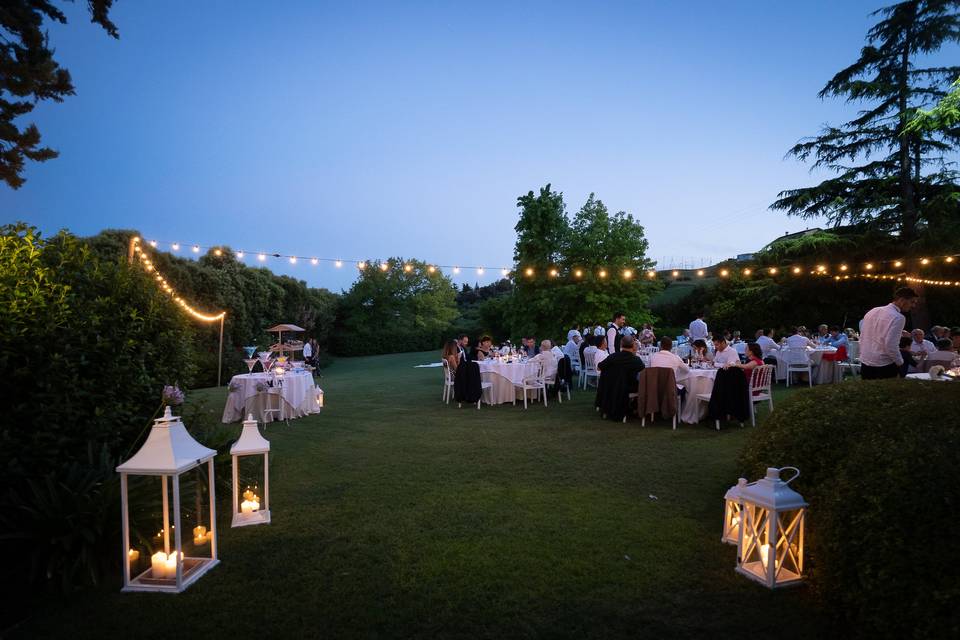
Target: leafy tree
[888, 176]
[566, 286]
[29, 74]
[943, 117]
[402, 307]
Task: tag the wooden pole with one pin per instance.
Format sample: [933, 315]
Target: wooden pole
[220, 361]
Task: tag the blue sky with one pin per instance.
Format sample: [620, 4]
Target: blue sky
[366, 130]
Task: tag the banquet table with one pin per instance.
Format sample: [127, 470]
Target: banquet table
[503, 375]
[297, 393]
[697, 381]
[823, 370]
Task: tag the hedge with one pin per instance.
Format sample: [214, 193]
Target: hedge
[879, 469]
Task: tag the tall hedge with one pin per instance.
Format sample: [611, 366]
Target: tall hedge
[878, 462]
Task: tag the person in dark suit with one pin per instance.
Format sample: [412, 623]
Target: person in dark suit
[529, 347]
[463, 340]
[618, 379]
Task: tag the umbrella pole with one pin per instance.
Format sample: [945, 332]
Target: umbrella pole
[220, 361]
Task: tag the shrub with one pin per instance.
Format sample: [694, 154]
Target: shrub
[878, 464]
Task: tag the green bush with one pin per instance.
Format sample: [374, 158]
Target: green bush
[878, 463]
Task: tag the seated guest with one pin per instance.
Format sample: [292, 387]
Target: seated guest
[836, 338]
[451, 354]
[463, 343]
[483, 349]
[724, 355]
[736, 337]
[754, 360]
[529, 347]
[666, 358]
[766, 342]
[909, 359]
[727, 336]
[919, 344]
[587, 341]
[647, 336]
[699, 351]
[943, 356]
[852, 335]
[684, 338]
[602, 351]
[572, 348]
[798, 340]
[823, 334]
[546, 357]
[618, 379]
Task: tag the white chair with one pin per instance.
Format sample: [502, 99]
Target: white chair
[447, 382]
[705, 397]
[533, 382]
[853, 350]
[798, 361]
[552, 381]
[272, 403]
[483, 390]
[648, 351]
[589, 370]
[760, 389]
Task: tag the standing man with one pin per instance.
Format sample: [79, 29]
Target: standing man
[308, 352]
[613, 332]
[698, 329]
[880, 336]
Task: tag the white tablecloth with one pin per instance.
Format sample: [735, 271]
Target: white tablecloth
[823, 371]
[297, 393]
[502, 376]
[697, 381]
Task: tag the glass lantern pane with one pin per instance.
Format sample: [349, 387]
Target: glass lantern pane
[195, 513]
[151, 529]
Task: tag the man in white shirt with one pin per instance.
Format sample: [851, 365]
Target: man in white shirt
[766, 342]
[665, 358]
[307, 352]
[920, 344]
[698, 329]
[724, 355]
[547, 357]
[799, 341]
[880, 336]
[613, 332]
[572, 348]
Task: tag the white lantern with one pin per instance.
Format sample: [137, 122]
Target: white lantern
[251, 443]
[732, 506]
[169, 452]
[770, 547]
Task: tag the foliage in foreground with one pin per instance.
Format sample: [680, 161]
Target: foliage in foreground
[878, 469]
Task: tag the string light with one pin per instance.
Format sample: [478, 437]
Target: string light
[504, 271]
[338, 263]
[240, 255]
[176, 246]
[949, 258]
[217, 252]
[843, 267]
[627, 273]
[261, 257]
[603, 273]
[869, 266]
[361, 265]
[165, 286]
[746, 272]
[773, 271]
[925, 261]
[386, 265]
[153, 243]
[479, 271]
[699, 272]
[796, 269]
[314, 261]
[651, 274]
[456, 269]
[724, 273]
[293, 260]
[898, 264]
[408, 268]
[529, 271]
[578, 273]
[554, 273]
[676, 273]
[431, 268]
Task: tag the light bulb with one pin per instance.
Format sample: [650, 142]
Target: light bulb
[314, 261]
[175, 246]
[338, 263]
[293, 260]
[240, 255]
[261, 257]
[196, 249]
[627, 274]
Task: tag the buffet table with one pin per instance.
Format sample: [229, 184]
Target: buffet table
[297, 393]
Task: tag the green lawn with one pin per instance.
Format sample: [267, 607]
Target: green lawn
[398, 516]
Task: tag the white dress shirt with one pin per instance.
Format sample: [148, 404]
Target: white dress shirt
[612, 332]
[549, 363]
[880, 336]
[599, 357]
[572, 349]
[767, 344]
[673, 361]
[698, 330]
[307, 350]
[729, 355]
[926, 345]
[797, 341]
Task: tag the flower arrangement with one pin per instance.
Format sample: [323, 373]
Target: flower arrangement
[172, 396]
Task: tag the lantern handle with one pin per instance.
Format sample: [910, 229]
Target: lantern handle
[795, 476]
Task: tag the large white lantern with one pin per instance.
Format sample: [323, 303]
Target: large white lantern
[732, 506]
[168, 453]
[250, 443]
[770, 548]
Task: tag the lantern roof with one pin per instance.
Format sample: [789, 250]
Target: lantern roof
[250, 440]
[773, 493]
[736, 491]
[169, 449]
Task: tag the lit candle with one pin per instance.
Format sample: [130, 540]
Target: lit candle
[172, 565]
[764, 554]
[158, 563]
[133, 555]
[248, 495]
[199, 535]
[246, 506]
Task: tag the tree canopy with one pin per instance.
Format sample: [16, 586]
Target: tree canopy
[28, 74]
[888, 177]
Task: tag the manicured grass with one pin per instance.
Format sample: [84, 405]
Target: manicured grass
[398, 516]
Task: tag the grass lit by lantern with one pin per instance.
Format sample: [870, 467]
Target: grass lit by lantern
[395, 515]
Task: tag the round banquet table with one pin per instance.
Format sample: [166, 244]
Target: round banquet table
[297, 393]
[697, 381]
[503, 375]
[823, 370]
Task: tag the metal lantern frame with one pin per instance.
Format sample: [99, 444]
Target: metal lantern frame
[732, 513]
[168, 453]
[250, 443]
[770, 543]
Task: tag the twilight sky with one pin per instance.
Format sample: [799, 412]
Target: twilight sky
[362, 130]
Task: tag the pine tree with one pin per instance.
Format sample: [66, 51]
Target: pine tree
[888, 178]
